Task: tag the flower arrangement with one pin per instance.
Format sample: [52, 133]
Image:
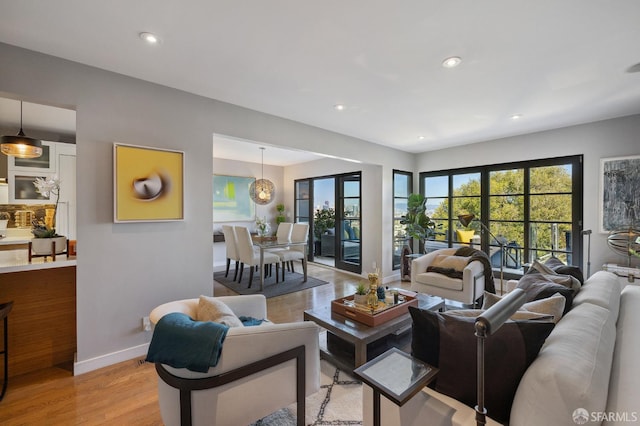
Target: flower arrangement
[47, 187]
[262, 226]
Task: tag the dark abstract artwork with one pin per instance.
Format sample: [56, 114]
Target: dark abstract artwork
[619, 193]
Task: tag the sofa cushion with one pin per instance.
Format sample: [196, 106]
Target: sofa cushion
[553, 306]
[507, 354]
[571, 371]
[436, 279]
[210, 309]
[537, 286]
[601, 289]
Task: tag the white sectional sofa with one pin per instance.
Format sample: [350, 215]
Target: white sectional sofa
[587, 371]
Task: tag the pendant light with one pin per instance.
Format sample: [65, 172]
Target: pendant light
[20, 145]
[262, 191]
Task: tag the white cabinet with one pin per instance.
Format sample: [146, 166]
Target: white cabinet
[59, 160]
[46, 163]
[66, 171]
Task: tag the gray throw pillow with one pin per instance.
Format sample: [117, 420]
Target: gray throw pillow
[537, 286]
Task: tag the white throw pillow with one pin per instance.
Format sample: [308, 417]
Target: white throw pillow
[211, 309]
[553, 306]
[457, 263]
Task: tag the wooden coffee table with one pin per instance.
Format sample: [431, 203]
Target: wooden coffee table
[349, 344]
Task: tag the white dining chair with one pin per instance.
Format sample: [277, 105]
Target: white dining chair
[299, 234]
[283, 236]
[231, 249]
[250, 257]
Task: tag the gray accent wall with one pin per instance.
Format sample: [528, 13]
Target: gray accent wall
[125, 270]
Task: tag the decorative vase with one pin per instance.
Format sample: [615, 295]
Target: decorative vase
[42, 246]
[263, 230]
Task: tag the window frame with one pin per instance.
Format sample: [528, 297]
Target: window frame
[574, 253]
[396, 266]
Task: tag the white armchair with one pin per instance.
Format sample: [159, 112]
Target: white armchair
[466, 290]
[253, 391]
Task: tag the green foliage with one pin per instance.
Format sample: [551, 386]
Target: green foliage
[280, 217]
[42, 231]
[361, 289]
[507, 203]
[323, 219]
[416, 222]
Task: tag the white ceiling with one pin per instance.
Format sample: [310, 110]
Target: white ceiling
[557, 63]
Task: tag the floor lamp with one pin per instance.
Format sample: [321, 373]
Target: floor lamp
[465, 220]
[588, 232]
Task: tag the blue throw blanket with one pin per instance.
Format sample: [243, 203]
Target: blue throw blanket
[181, 342]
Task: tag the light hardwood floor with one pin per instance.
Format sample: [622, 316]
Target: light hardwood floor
[125, 393]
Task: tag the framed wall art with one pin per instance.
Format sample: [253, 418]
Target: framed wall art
[148, 184]
[231, 200]
[619, 193]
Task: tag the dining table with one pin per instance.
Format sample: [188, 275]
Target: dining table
[264, 243]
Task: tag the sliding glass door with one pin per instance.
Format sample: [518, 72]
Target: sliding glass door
[332, 206]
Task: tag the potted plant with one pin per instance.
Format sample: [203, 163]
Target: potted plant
[45, 232]
[323, 220]
[281, 216]
[416, 223]
[360, 297]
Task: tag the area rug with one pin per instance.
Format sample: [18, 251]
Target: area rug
[338, 402]
[293, 282]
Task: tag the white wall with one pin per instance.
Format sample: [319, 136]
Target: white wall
[609, 138]
[373, 248]
[124, 270]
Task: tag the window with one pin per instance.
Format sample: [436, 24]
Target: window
[533, 208]
[402, 187]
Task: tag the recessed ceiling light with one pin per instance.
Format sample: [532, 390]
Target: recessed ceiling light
[516, 117]
[451, 62]
[421, 137]
[339, 107]
[150, 38]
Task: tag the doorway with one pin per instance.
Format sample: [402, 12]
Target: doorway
[331, 205]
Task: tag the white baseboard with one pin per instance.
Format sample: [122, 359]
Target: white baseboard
[81, 367]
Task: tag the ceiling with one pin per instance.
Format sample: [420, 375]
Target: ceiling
[553, 63]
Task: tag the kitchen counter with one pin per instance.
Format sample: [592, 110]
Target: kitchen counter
[14, 257]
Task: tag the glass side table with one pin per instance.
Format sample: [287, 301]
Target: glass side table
[396, 375]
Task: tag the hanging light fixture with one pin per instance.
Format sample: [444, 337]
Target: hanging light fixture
[262, 191]
[20, 145]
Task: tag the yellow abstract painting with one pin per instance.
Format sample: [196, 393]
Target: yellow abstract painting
[148, 184]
